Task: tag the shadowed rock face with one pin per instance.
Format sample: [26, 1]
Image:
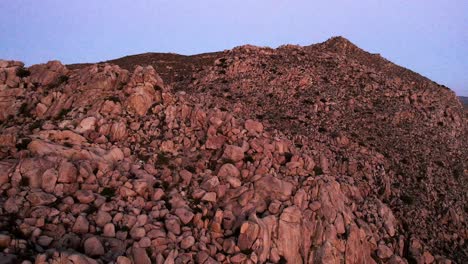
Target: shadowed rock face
[318, 154]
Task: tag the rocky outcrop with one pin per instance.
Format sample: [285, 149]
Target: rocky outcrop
[100, 164]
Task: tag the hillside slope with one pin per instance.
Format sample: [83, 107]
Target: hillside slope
[335, 89]
[100, 165]
[317, 154]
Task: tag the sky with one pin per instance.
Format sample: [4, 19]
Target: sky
[427, 36]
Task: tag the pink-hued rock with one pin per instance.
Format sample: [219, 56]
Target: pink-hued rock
[142, 89]
[47, 74]
[172, 225]
[289, 235]
[6, 167]
[67, 173]
[81, 225]
[233, 153]
[87, 124]
[84, 196]
[118, 131]
[248, 234]
[384, 252]
[49, 180]
[253, 126]
[102, 218]
[252, 155]
[269, 186]
[184, 214]
[140, 256]
[228, 170]
[93, 247]
[215, 142]
[39, 198]
[187, 242]
[109, 230]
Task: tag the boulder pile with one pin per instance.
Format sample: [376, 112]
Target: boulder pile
[100, 164]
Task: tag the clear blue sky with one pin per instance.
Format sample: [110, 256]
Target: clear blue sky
[427, 36]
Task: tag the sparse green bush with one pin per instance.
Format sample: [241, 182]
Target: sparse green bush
[318, 171]
[62, 114]
[162, 159]
[22, 72]
[113, 98]
[108, 193]
[62, 79]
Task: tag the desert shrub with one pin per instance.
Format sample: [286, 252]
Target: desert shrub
[322, 130]
[113, 98]
[23, 143]
[24, 181]
[248, 158]
[191, 169]
[62, 79]
[407, 199]
[91, 209]
[22, 72]
[62, 113]
[23, 110]
[318, 171]
[108, 193]
[162, 159]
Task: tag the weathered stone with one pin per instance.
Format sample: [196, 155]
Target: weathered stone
[290, 235]
[67, 173]
[102, 218]
[215, 142]
[109, 230]
[49, 180]
[40, 198]
[184, 214]
[87, 124]
[384, 252]
[253, 126]
[187, 242]
[209, 197]
[137, 233]
[248, 234]
[228, 170]
[140, 256]
[5, 169]
[81, 225]
[44, 241]
[173, 225]
[233, 153]
[84, 196]
[93, 247]
[269, 186]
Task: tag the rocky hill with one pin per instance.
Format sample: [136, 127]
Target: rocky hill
[317, 154]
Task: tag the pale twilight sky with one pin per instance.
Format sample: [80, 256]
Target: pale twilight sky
[427, 36]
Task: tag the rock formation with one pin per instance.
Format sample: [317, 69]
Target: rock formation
[319, 154]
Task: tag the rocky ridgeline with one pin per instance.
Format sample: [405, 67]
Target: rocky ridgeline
[333, 92]
[99, 165]
[248, 159]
